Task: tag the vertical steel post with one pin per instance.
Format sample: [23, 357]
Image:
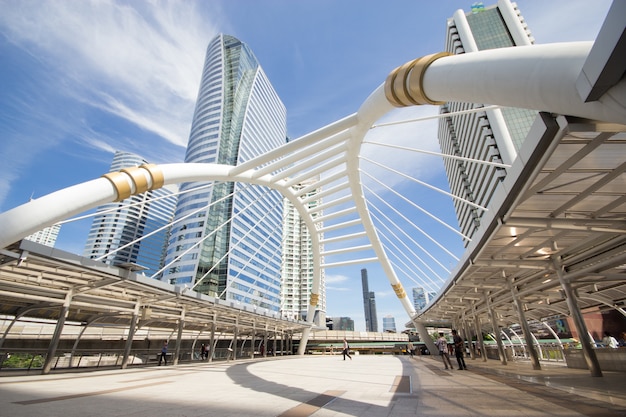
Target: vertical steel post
[496, 331]
[131, 335]
[579, 321]
[534, 359]
[54, 343]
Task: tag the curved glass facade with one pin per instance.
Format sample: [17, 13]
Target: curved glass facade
[229, 243]
[139, 216]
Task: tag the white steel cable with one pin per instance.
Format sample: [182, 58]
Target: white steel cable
[426, 212]
[399, 252]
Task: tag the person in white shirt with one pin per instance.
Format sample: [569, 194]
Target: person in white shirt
[442, 344]
[609, 341]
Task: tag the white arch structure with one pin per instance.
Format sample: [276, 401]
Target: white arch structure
[541, 77]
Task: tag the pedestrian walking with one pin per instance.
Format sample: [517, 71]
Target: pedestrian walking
[442, 345]
[346, 350]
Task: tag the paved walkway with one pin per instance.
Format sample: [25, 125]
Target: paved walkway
[320, 386]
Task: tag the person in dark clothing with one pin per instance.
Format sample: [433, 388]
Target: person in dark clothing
[459, 347]
[163, 356]
[346, 350]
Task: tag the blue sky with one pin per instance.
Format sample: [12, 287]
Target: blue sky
[81, 79]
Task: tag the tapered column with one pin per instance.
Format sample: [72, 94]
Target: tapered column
[467, 336]
[181, 326]
[212, 341]
[496, 332]
[534, 359]
[58, 330]
[131, 335]
[274, 341]
[574, 310]
[235, 339]
[479, 334]
[425, 337]
[253, 341]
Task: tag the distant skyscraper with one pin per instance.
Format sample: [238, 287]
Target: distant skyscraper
[297, 264]
[118, 224]
[228, 243]
[419, 298]
[343, 323]
[47, 236]
[492, 135]
[369, 304]
[389, 324]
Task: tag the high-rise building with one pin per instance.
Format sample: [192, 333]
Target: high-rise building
[47, 236]
[419, 298]
[342, 323]
[228, 241]
[369, 304]
[133, 231]
[297, 264]
[389, 324]
[492, 135]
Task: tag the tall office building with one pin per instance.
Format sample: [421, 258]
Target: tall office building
[369, 304]
[228, 241]
[47, 236]
[493, 135]
[146, 216]
[419, 298]
[342, 323]
[389, 324]
[297, 263]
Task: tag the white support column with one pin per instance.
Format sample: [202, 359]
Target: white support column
[181, 325]
[253, 339]
[479, 336]
[235, 339]
[534, 359]
[496, 331]
[58, 330]
[211, 345]
[274, 341]
[131, 335]
[265, 340]
[579, 322]
[425, 337]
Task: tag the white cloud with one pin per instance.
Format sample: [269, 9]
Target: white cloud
[149, 59]
[333, 282]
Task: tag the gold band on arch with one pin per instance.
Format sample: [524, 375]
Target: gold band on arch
[138, 178]
[399, 289]
[405, 85]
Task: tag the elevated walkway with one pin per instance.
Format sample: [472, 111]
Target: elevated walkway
[321, 386]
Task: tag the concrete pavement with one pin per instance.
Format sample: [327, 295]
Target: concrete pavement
[321, 386]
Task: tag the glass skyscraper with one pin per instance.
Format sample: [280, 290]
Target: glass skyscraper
[118, 224]
[369, 304]
[491, 135]
[389, 324]
[419, 298]
[227, 238]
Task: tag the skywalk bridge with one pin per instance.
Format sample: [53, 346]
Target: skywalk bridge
[551, 242]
